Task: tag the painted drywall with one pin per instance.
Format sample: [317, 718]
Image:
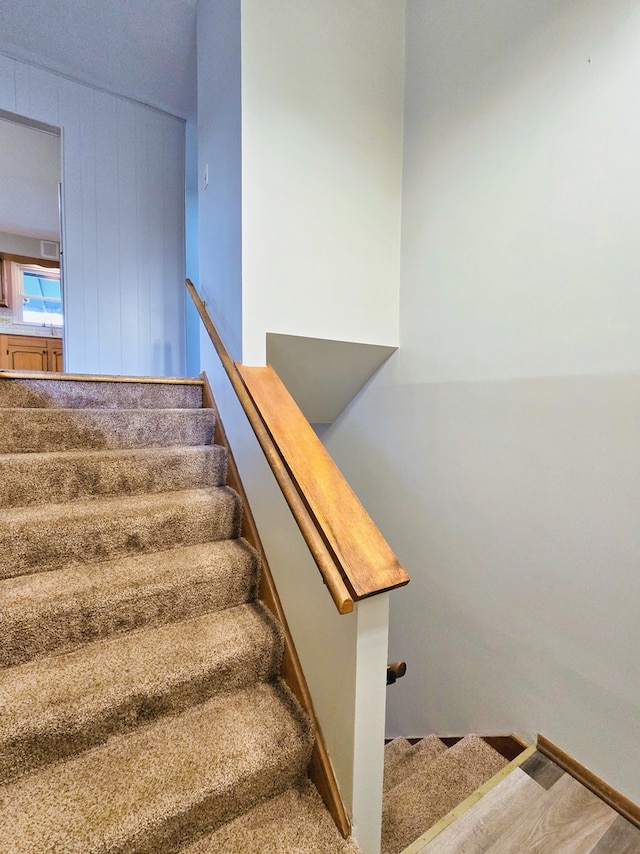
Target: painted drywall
[239, 220]
[123, 241]
[192, 251]
[220, 156]
[498, 449]
[322, 87]
[323, 376]
[30, 171]
[18, 244]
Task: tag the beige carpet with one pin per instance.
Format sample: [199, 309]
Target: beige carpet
[426, 781]
[403, 761]
[141, 708]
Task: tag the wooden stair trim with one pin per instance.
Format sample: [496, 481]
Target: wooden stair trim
[617, 801]
[94, 378]
[320, 768]
[364, 558]
[428, 836]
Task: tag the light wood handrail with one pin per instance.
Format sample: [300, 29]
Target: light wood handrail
[352, 555]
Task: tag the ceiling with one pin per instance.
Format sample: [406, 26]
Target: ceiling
[142, 49]
[29, 177]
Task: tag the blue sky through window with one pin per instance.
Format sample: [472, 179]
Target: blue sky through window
[42, 300]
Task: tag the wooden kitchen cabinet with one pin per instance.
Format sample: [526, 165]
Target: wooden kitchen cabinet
[55, 355]
[30, 353]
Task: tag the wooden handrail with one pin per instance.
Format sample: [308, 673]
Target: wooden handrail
[352, 555]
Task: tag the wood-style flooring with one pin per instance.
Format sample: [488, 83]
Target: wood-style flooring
[536, 808]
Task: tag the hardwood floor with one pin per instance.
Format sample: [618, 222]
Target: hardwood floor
[536, 809]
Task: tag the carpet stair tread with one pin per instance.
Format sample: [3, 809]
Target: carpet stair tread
[38, 478]
[62, 392]
[141, 704]
[58, 706]
[394, 750]
[194, 772]
[33, 430]
[103, 528]
[419, 801]
[294, 821]
[413, 760]
[53, 611]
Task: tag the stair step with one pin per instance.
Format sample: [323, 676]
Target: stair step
[394, 750]
[161, 785]
[421, 800]
[295, 821]
[104, 528]
[65, 393]
[41, 430]
[413, 760]
[27, 479]
[58, 610]
[56, 707]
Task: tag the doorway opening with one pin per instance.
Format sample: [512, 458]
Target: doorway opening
[31, 284]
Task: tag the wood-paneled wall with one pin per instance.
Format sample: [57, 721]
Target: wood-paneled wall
[123, 179]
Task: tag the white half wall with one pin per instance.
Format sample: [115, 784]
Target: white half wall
[498, 449]
[325, 640]
[322, 88]
[344, 657]
[123, 241]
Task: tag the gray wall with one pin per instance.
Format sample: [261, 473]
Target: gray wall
[498, 450]
[123, 176]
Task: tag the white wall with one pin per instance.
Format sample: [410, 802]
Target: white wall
[219, 148]
[123, 176]
[325, 640]
[498, 450]
[17, 244]
[29, 176]
[322, 157]
[192, 249]
[299, 121]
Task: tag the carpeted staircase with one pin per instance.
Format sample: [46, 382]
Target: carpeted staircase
[425, 781]
[141, 708]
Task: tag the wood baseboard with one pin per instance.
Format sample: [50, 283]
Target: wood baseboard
[95, 378]
[603, 790]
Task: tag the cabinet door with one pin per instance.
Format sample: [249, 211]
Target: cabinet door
[26, 353]
[28, 358]
[55, 358]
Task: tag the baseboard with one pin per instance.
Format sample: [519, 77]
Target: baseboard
[603, 790]
[7, 373]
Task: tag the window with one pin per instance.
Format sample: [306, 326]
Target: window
[32, 290]
[40, 296]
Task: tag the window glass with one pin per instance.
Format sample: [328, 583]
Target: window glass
[41, 299]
